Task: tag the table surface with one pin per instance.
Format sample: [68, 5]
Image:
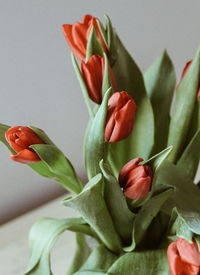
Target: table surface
[14, 250]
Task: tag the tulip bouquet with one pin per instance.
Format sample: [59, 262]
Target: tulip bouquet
[139, 213]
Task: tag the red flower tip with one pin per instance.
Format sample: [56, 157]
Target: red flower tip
[93, 72]
[77, 35]
[120, 117]
[19, 139]
[135, 179]
[183, 257]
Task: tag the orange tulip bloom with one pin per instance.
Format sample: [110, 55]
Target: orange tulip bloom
[183, 258]
[135, 179]
[19, 139]
[92, 72]
[120, 117]
[77, 35]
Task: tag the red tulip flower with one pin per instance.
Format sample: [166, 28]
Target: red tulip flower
[183, 258]
[120, 117]
[135, 179]
[77, 35]
[19, 139]
[92, 72]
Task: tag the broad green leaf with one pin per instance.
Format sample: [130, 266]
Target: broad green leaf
[115, 200]
[43, 235]
[183, 108]
[186, 196]
[190, 158]
[90, 272]
[100, 259]
[59, 165]
[160, 80]
[81, 254]
[147, 213]
[152, 262]
[90, 204]
[83, 86]
[94, 142]
[130, 79]
[93, 45]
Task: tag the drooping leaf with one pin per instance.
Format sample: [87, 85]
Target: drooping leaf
[121, 215]
[183, 108]
[130, 79]
[160, 80]
[142, 263]
[94, 142]
[190, 158]
[93, 45]
[81, 254]
[59, 166]
[83, 85]
[43, 235]
[90, 204]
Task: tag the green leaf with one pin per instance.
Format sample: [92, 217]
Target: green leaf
[142, 263]
[83, 85]
[147, 213]
[183, 108]
[100, 259]
[160, 80]
[91, 206]
[141, 140]
[43, 235]
[93, 45]
[81, 254]
[115, 200]
[3, 129]
[59, 166]
[185, 197]
[106, 76]
[94, 142]
[190, 158]
[90, 272]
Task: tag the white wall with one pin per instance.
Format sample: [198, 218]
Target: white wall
[37, 83]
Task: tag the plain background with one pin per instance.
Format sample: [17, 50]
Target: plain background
[38, 85]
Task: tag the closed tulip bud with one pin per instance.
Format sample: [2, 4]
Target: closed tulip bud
[183, 258]
[135, 179]
[77, 35]
[120, 117]
[92, 72]
[19, 139]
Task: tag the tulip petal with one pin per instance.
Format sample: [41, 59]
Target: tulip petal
[26, 156]
[189, 253]
[139, 189]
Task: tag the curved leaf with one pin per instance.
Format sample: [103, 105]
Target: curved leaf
[91, 206]
[183, 108]
[93, 45]
[94, 142]
[115, 200]
[160, 80]
[43, 235]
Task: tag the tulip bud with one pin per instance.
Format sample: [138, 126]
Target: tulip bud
[93, 72]
[19, 139]
[183, 257]
[77, 35]
[120, 117]
[135, 179]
